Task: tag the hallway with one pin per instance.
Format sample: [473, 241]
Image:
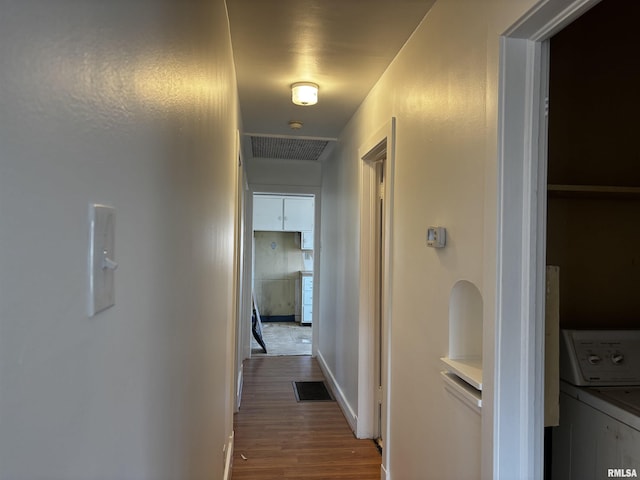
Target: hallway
[281, 438]
[146, 107]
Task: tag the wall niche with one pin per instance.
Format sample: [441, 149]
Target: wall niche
[463, 366]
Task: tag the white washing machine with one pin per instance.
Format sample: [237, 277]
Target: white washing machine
[599, 432]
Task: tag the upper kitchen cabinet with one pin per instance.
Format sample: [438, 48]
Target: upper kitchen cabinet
[267, 213]
[298, 214]
[282, 213]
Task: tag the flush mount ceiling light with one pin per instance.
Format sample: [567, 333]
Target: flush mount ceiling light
[304, 93]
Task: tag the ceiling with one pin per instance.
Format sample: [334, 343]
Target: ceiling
[342, 45]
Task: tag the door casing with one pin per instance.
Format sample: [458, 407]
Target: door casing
[381, 143]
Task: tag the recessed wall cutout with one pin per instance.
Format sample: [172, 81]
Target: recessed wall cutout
[463, 374]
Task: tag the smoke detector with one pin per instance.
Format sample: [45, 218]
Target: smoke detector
[295, 125]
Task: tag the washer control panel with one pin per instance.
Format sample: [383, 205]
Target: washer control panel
[600, 357]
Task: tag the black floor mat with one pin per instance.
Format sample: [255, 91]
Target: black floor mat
[311, 392]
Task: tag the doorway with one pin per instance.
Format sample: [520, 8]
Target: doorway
[378, 240]
[374, 370]
[517, 447]
[282, 274]
[593, 181]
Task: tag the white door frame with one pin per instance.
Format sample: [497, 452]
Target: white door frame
[518, 403]
[243, 292]
[383, 139]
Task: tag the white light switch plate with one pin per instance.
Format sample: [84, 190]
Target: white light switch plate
[101, 258]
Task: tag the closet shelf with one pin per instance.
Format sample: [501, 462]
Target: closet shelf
[468, 369]
[576, 191]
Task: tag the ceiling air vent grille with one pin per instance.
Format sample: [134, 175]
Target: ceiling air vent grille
[287, 148]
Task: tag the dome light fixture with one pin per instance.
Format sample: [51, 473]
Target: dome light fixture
[304, 93]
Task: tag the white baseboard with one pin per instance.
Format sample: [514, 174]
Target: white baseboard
[384, 475]
[348, 412]
[228, 457]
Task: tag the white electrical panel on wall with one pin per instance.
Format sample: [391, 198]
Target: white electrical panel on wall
[101, 258]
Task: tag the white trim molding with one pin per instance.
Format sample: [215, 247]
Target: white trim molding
[347, 410]
[228, 457]
[518, 442]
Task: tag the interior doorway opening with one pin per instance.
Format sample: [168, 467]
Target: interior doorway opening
[517, 447]
[377, 157]
[282, 274]
[378, 241]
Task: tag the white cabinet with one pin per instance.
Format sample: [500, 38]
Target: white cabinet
[298, 214]
[267, 213]
[282, 213]
[306, 280]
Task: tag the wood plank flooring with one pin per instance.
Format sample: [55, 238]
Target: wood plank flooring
[284, 439]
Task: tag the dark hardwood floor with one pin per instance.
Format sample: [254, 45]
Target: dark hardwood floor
[281, 438]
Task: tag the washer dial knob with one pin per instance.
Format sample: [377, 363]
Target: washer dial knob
[617, 358]
[594, 359]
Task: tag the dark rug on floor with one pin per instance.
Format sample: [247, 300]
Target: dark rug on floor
[311, 392]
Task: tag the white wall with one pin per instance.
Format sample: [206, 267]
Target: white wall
[131, 104]
[274, 172]
[442, 88]
[339, 283]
